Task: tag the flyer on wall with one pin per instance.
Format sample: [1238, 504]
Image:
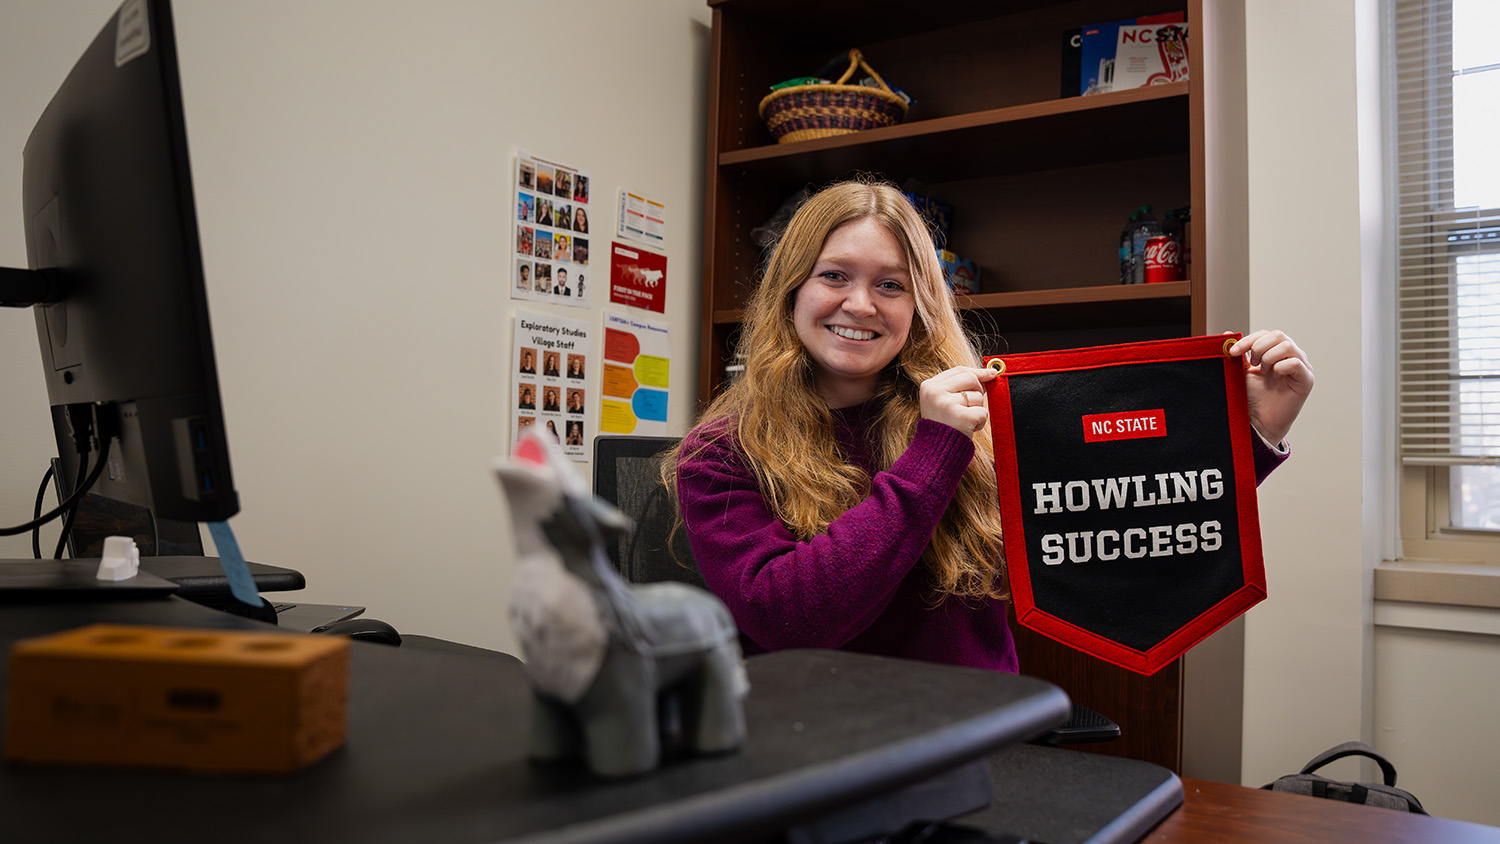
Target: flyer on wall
[551, 356]
[637, 277]
[551, 256]
[637, 366]
[642, 220]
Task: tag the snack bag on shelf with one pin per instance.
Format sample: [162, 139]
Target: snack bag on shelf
[961, 273]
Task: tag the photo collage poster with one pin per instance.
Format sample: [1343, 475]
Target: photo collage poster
[552, 362]
[553, 219]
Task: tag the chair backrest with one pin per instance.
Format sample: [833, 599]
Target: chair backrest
[627, 474]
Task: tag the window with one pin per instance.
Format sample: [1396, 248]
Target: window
[1446, 60]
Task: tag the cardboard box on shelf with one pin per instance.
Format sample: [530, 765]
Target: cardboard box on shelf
[1098, 43]
[1151, 54]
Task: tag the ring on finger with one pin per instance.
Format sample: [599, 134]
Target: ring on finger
[965, 394]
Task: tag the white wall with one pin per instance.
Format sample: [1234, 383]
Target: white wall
[1421, 686]
[1306, 666]
[352, 164]
[1435, 703]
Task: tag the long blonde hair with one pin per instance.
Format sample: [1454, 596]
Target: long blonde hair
[785, 428]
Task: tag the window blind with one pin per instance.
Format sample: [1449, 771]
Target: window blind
[1446, 98]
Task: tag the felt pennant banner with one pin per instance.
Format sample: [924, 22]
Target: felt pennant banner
[1127, 495]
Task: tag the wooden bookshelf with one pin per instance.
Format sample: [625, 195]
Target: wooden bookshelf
[1041, 185]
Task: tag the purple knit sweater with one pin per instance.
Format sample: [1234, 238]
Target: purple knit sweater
[856, 586]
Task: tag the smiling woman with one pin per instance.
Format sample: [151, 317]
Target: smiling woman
[854, 313]
[841, 493]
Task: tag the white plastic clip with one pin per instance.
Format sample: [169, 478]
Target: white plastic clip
[122, 559]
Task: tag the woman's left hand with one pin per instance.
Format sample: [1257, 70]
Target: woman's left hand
[1278, 380]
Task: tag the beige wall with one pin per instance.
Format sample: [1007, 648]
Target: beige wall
[1435, 703]
[352, 163]
[1324, 662]
[1306, 667]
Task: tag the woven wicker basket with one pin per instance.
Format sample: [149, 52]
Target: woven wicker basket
[804, 112]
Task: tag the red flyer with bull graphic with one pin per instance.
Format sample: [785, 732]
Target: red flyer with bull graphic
[1127, 495]
[637, 277]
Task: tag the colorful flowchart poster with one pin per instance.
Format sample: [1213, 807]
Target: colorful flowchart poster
[637, 365]
[551, 356]
[552, 232]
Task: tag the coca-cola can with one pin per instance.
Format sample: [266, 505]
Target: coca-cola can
[1162, 260]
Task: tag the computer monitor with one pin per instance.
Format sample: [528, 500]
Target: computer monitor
[116, 277]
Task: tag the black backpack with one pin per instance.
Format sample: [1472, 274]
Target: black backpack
[1370, 794]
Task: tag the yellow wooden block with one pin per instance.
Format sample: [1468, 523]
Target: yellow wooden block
[209, 700]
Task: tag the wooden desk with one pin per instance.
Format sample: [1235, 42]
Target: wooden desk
[1215, 813]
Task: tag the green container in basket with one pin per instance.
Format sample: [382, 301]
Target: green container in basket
[804, 112]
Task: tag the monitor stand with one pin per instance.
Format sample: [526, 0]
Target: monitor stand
[54, 580]
[957, 792]
[1064, 796]
[199, 579]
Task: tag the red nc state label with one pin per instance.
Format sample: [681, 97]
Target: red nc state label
[1125, 425]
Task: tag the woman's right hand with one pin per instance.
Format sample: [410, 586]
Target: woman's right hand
[957, 397]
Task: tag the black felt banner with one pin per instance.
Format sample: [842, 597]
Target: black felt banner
[1127, 491]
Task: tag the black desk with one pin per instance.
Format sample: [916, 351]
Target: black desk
[198, 578]
[436, 753]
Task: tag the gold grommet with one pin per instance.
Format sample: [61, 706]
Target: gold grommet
[1229, 344]
[997, 364]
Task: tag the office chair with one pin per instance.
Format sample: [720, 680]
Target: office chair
[627, 474]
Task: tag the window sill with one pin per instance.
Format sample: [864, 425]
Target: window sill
[1457, 584]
